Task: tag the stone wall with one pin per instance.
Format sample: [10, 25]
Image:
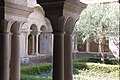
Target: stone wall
[36, 59]
[93, 47]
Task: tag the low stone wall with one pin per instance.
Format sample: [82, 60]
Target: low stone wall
[91, 54]
[35, 59]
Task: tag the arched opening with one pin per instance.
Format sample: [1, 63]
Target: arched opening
[32, 39]
[29, 44]
[42, 41]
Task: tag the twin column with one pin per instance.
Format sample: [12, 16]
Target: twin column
[34, 44]
[62, 56]
[68, 71]
[62, 53]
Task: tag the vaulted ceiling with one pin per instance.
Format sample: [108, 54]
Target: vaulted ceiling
[51, 4]
[52, 7]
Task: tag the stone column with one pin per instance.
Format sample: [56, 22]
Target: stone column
[26, 44]
[73, 36]
[15, 57]
[4, 49]
[39, 43]
[33, 46]
[4, 56]
[68, 56]
[58, 50]
[36, 44]
[58, 56]
[75, 44]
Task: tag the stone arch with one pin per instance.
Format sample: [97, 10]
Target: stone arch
[41, 39]
[37, 17]
[45, 38]
[24, 27]
[14, 26]
[49, 26]
[33, 27]
[43, 28]
[10, 23]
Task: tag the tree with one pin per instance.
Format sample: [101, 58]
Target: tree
[99, 22]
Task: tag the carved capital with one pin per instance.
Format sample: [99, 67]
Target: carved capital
[59, 24]
[69, 25]
[3, 26]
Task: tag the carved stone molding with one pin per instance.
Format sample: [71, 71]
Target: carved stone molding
[74, 8]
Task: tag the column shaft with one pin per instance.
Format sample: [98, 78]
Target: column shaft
[68, 71]
[33, 46]
[37, 44]
[58, 57]
[26, 45]
[4, 56]
[75, 44]
[15, 58]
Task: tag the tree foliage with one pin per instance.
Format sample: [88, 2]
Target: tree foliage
[99, 20]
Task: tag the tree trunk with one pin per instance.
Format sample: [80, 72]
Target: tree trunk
[101, 43]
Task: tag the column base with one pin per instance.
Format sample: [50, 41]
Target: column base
[75, 51]
[36, 53]
[32, 53]
[26, 55]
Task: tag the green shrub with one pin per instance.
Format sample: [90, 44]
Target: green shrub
[102, 67]
[36, 69]
[112, 61]
[31, 77]
[75, 71]
[80, 66]
[96, 67]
